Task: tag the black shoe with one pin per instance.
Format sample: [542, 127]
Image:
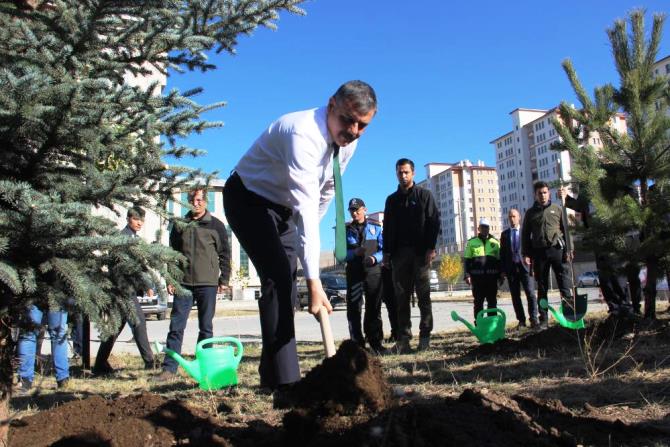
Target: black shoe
[378, 349]
[149, 366]
[281, 397]
[424, 343]
[102, 370]
[402, 347]
[64, 384]
[24, 387]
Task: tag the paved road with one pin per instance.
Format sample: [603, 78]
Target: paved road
[248, 329]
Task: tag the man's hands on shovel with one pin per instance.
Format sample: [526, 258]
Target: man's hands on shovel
[317, 297]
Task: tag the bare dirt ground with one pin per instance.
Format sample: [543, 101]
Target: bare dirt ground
[608, 385]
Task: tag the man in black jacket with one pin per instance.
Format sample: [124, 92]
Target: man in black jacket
[204, 242]
[138, 325]
[543, 244]
[411, 226]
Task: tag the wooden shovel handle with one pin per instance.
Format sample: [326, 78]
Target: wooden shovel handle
[326, 332]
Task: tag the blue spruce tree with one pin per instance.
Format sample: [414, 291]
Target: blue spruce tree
[74, 138]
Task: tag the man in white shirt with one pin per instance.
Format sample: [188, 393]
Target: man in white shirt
[273, 202]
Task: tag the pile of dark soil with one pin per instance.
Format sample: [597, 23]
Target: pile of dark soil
[479, 418]
[142, 420]
[350, 382]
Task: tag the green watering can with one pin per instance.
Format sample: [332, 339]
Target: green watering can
[570, 315]
[489, 328]
[214, 367]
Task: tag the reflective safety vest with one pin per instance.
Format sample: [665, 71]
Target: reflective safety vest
[482, 257]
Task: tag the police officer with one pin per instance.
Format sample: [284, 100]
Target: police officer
[364, 275]
[482, 266]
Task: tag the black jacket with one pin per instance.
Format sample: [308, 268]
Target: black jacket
[420, 204]
[506, 258]
[542, 228]
[205, 245]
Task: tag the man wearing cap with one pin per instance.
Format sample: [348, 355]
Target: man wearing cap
[482, 266]
[364, 256]
[411, 226]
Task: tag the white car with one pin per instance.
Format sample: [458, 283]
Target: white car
[154, 305]
[434, 281]
[588, 279]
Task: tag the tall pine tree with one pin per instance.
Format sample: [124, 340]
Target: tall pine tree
[639, 160]
[74, 137]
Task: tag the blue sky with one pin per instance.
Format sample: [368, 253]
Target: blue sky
[446, 76]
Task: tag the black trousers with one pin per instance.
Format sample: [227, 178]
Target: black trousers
[368, 282]
[389, 299]
[411, 272]
[139, 330]
[543, 260]
[268, 235]
[484, 288]
[517, 278]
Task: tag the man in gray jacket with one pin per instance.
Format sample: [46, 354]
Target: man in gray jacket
[204, 242]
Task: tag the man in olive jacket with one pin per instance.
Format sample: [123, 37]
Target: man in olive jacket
[411, 226]
[204, 242]
[543, 245]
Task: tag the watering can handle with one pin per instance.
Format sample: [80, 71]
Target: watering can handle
[222, 340]
[492, 310]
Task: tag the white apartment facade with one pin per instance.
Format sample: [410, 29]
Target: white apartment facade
[662, 68]
[464, 193]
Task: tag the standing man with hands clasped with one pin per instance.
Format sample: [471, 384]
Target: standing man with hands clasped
[364, 274]
[274, 200]
[204, 242]
[482, 267]
[514, 267]
[543, 243]
[411, 226]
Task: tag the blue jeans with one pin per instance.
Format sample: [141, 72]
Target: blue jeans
[205, 298]
[57, 325]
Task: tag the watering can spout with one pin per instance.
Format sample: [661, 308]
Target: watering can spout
[192, 368]
[456, 317]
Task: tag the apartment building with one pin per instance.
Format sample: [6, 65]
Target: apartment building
[464, 193]
[524, 156]
[662, 68]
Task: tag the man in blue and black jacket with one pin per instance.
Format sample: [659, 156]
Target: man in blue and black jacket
[364, 256]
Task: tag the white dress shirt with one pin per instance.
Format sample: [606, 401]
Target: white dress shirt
[291, 164]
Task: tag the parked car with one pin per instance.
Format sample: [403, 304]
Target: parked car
[335, 287]
[434, 281]
[588, 279]
[154, 305]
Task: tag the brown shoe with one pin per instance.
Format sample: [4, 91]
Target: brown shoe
[165, 376]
